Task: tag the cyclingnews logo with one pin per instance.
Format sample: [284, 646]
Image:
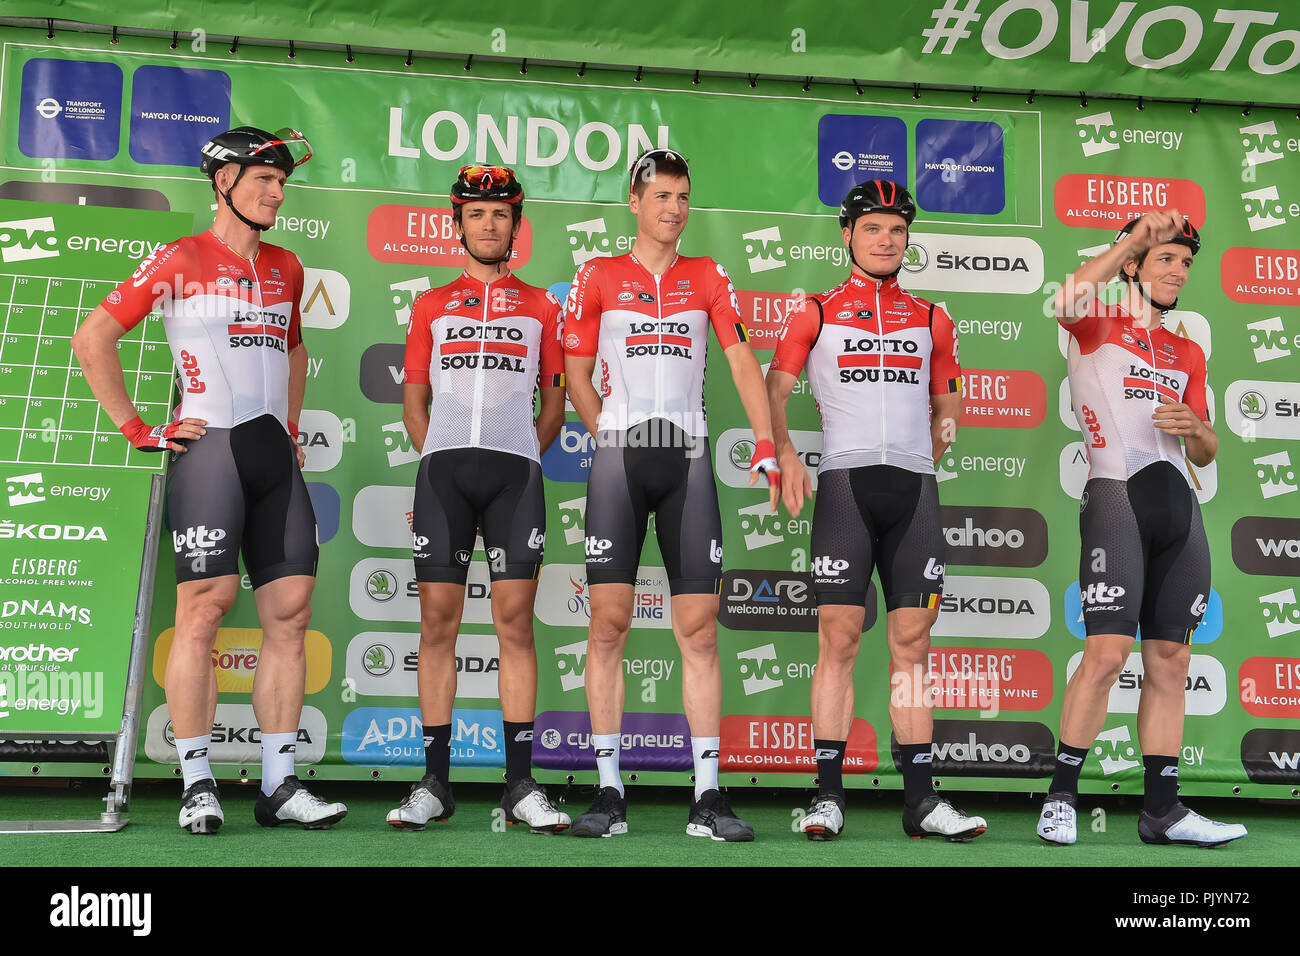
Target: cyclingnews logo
[1098, 134]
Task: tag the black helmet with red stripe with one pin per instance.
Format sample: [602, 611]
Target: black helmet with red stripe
[876, 195]
[1187, 236]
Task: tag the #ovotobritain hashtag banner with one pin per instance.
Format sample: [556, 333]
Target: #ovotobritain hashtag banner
[1013, 197]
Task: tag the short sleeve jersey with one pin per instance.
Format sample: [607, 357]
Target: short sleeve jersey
[230, 324]
[483, 348]
[1119, 375]
[875, 354]
[649, 334]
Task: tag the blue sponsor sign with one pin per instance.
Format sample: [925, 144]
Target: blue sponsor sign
[394, 737]
[853, 149]
[174, 111]
[325, 502]
[1209, 630]
[569, 457]
[70, 109]
[960, 167]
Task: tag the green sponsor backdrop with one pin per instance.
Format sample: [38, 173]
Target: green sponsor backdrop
[72, 520]
[1194, 49]
[1013, 197]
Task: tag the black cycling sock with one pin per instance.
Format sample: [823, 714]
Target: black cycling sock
[830, 765]
[519, 750]
[437, 751]
[1161, 784]
[917, 781]
[1069, 761]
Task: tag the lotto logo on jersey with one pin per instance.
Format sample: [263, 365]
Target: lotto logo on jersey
[1281, 612]
[1275, 474]
[759, 670]
[587, 240]
[24, 239]
[1268, 339]
[764, 249]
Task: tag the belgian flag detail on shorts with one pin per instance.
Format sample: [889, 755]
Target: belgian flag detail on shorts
[930, 601]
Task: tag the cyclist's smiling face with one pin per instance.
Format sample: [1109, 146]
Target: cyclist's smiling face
[878, 241]
[259, 192]
[487, 228]
[1165, 269]
[662, 208]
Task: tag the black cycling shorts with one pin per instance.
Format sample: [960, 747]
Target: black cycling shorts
[241, 489]
[460, 490]
[877, 516]
[654, 466]
[1144, 558]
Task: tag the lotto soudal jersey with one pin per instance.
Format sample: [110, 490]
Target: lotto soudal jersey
[1119, 375]
[875, 354]
[231, 323]
[650, 333]
[481, 347]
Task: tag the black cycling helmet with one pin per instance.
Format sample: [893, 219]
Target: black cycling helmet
[250, 146]
[479, 183]
[876, 195]
[647, 165]
[1189, 237]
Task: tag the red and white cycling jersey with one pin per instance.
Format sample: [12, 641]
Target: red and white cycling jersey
[480, 347]
[1119, 375]
[651, 335]
[231, 323]
[875, 354]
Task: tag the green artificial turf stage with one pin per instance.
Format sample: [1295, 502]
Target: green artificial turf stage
[657, 820]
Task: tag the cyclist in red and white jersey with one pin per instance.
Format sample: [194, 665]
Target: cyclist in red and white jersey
[478, 349]
[230, 307]
[645, 316]
[1138, 391]
[884, 370]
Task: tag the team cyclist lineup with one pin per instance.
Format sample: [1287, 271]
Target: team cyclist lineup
[489, 363]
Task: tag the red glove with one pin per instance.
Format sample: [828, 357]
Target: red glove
[293, 428]
[145, 438]
[764, 462]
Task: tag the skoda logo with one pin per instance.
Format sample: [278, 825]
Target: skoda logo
[742, 453]
[915, 258]
[377, 660]
[1253, 405]
[381, 586]
[169, 734]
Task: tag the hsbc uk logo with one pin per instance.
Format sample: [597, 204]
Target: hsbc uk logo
[1269, 340]
[24, 239]
[763, 247]
[1281, 612]
[571, 662]
[761, 528]
[587, 240]
[1115, 750]
[759, 670]
[1276, 475]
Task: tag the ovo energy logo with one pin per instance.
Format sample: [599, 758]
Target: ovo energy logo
[763, 247]
[1268, 339]
[587, 240]
[1281, 613]
[571, 661]
[1098, 133]
[23, 239]
[1263, 205]
[1276, 475]
[759, 670]
[1115, 750]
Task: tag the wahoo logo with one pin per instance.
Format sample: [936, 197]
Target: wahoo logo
[1268, 339]
[1275, 474]
[25, 489]
[1263, 208]
[764, 249]
[1285, 761]
[759, 670]
[587, 240]
[1097, 133]
[23, 239]
[571, 662]
[1115, 750]
[537, 540]
[1261, 142]
[1281, 613]
[761, 528]
[573, 518]
[404, 296]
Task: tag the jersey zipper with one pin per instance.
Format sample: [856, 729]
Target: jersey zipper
[1155, 390]
[475, 428]
[261, 315]
[880, 386]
